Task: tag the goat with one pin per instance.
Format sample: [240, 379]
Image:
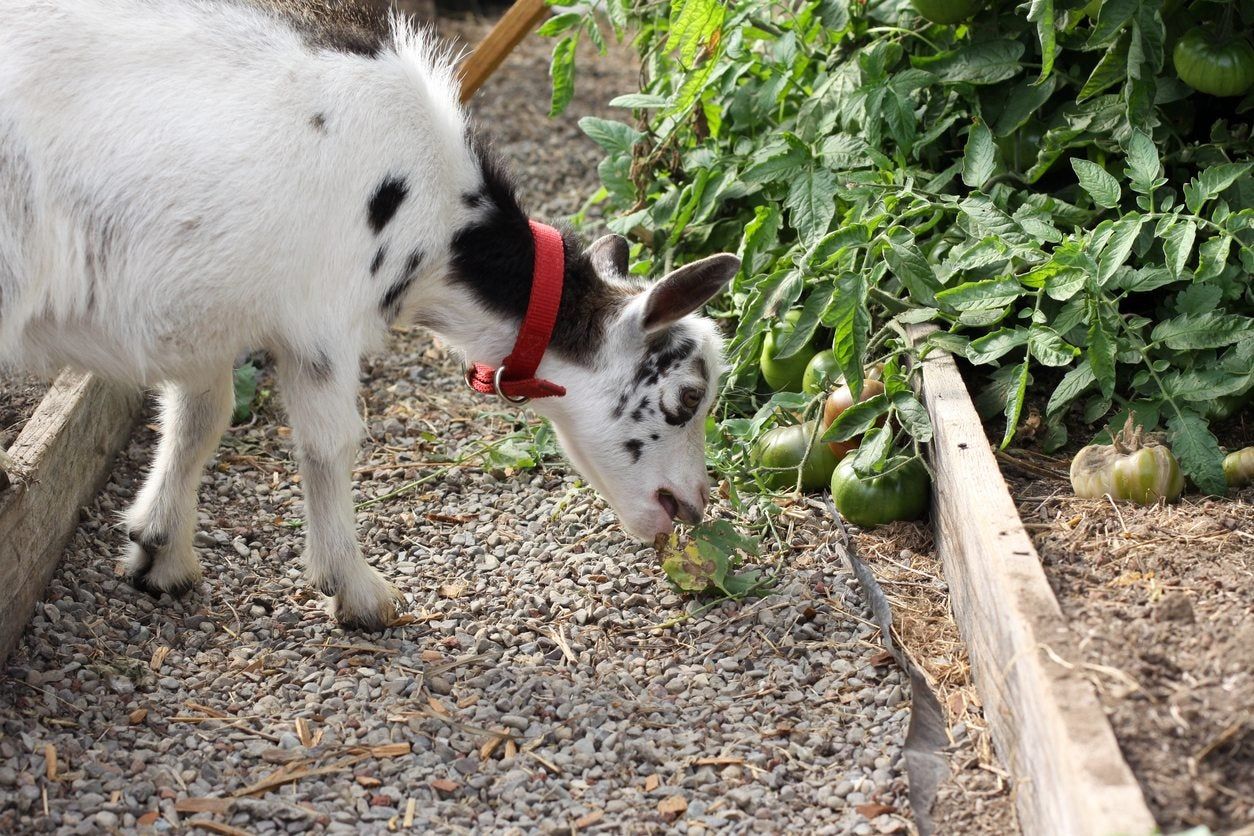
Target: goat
[183, 180]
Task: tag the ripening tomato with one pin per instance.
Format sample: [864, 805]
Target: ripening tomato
[783, 374]
[838, 402]
[786, 447]
[1215, 65]
[947, 11]
[900, 492]
[1132, 469]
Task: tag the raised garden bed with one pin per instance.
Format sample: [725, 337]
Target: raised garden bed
[62, 453]
[1048, 726]
[1157, 603]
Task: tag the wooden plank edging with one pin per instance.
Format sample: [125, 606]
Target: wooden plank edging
[65, 449]
[1045, 717]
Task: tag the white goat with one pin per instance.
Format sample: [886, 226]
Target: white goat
[184, 179]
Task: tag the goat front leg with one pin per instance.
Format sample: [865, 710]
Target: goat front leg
[161, 557]
[321, 400]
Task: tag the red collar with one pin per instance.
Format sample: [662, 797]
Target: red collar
[514, 380]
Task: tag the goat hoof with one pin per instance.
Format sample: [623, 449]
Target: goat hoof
[373, 618]
[149, 565]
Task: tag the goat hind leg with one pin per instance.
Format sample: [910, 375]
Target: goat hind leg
[321, 403]
[161, 557]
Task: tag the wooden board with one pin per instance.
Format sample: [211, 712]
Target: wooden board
[65, 450]
[1045, 717]
[513, 26]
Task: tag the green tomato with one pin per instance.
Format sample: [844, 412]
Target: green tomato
[821, 373]
[783, 375]
[1220, 67]
[785, 447]
[900, 493]
[1239, 467]
[946, 11]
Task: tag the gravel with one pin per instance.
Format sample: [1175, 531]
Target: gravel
[547, 679]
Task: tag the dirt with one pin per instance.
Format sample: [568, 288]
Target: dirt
[19, 395]
[1160, 602]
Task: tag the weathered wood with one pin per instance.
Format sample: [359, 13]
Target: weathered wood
[513, 26]
[1045, 717]
[64, 451]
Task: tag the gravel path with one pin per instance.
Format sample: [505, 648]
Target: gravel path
[533, 689]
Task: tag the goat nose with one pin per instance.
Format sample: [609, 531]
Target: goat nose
[677, 509]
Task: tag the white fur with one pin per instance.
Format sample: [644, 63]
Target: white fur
[165, 204]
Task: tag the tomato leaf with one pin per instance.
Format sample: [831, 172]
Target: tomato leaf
[979, 157]
[1100, 186]
[1198, 451]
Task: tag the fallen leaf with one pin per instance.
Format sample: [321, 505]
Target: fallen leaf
[589, 819]
[411, 806]
[444, 785]
[148, 818]
[453, 590]
[874, 809]
[429, 655]
[158, 657]
[881, 658]
[137, 716]
[304, 733]
[652, 782]
[203, 805]
[50, 758]
[367, 781]
[439, 707]
[672, 807]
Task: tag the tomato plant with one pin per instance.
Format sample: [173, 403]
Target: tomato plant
[1036, 183]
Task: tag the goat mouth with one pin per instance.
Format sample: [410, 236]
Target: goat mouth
[668, 502]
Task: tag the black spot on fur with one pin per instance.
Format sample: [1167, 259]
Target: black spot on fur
[621, 405]
[385, 201]
[634, 446]
[641, 410]
[318, 122]
[493, 258]
[377, 261]
[390, 305]
[654, 436]
[664, 351]
[411, 263]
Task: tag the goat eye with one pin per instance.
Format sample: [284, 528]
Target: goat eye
[691, 396]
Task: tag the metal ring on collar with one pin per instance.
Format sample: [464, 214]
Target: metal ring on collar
[496, 387]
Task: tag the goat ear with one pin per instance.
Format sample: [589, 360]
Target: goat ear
[609, 256]
[685, 290]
